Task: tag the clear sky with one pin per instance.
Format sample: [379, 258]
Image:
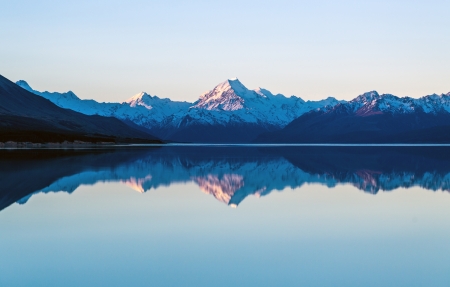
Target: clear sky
[111, 50]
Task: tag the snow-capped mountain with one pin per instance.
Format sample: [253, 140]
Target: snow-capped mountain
[372, 103]
[231, 112]
[372, 118]
[142, 109]
[237, 104]
[230, 106]
[159, 108]
[25, 116]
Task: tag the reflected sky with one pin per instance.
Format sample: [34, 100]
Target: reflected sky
[309, 216]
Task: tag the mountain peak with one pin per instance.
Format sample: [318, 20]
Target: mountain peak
[237, 86]
[140, 99]
[138, 96]
[230, 84]
[52, 96]
[23, 84]
[367, 97]
[228, 96]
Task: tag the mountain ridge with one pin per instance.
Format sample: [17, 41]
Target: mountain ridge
[239, 113]
[232, 113]
[28, 117]
[372, 118]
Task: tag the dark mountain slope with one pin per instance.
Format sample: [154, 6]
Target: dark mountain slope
[25, 116]
[206, 133]
[343, 126]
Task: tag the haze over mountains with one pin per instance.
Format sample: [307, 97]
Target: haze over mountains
[232, 113]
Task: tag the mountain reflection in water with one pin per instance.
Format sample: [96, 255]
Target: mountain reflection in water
[230, 173]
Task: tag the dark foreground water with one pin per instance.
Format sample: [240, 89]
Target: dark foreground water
[226, 216]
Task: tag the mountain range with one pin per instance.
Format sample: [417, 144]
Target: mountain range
[228, 113]
[232, 113]
[25, 116]
[372, 118]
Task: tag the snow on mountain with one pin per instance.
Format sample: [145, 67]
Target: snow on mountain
[140, 99]
[373, 103]
[434, 103]
[231, 102]
[57, 98]
[228, 102]
[227, 96]
[141, 109]
[163, 107]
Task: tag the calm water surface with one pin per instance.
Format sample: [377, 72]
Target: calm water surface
[225, 216]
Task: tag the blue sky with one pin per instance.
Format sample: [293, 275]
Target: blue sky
[110, 50]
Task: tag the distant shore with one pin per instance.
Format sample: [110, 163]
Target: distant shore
[14, 144]
[86, 144]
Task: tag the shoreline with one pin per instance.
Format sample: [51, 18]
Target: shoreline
[83, 144]
[13, 144]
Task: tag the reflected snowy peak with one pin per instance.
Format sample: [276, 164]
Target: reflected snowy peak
[230, 174]
[222, 188]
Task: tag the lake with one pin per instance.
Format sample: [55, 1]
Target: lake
[225, 216]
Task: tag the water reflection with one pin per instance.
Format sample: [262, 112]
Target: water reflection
[230, 174]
